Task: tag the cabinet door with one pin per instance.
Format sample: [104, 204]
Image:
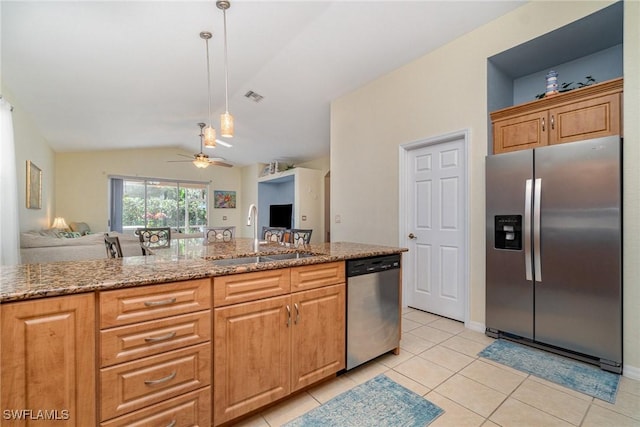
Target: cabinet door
[592, 118]
[48, 360]
[520, 132]
[251, 356]
[318, 340]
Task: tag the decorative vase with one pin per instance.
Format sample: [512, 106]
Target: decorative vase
[552, 83]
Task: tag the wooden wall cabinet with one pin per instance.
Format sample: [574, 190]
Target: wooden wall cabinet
[48, 361]
[268, 348]
[590, 112]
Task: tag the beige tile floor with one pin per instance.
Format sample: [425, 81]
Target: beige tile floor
[438, 361]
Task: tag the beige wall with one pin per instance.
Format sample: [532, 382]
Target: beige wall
[445, 92]
[81, 185]
[30, 145]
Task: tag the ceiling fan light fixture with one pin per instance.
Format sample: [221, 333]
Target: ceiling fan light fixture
[226, 125]
[201, 163]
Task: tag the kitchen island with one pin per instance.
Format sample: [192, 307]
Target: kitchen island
[174, 337]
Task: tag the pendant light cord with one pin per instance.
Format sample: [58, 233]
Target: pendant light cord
[208, 81]
[226, 64]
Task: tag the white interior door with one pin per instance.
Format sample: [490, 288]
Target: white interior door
[436, 221]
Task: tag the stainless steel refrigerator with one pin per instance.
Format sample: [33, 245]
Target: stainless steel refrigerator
[554, 249]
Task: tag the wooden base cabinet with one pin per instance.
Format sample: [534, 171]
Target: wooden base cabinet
[591, 112]
[266, 349]
[48, 361]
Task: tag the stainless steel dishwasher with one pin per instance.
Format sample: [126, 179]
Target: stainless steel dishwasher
[373, 308]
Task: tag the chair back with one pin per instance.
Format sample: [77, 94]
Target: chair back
[299, 236]
[154, 238]
[112, 244]
[220, 234]
[273, 234]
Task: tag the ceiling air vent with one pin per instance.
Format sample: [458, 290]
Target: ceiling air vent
[255, 97]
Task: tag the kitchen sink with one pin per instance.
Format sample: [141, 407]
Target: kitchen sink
[261, 258]
[295, 255]
[240, 260]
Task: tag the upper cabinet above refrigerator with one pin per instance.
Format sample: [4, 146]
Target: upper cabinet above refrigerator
[589, 112]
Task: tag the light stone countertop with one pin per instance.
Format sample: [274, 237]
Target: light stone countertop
[186, 259]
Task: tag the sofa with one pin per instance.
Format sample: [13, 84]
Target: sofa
[53, 245]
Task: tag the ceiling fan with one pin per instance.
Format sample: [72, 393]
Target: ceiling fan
[202, 160]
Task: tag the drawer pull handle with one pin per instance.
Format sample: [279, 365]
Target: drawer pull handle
[172, 423]
[161, 302]
[161, 380]
[161, 338]
[297, 319]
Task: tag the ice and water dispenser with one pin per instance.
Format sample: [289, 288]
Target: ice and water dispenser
[508, 229]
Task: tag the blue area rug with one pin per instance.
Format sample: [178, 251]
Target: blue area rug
[587, 379]
[379, 402]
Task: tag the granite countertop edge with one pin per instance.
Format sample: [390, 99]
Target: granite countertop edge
[33, 281]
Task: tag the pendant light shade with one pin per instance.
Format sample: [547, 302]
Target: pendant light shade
[226, 125]
[209, 132]
[226, 119]
[209, 137]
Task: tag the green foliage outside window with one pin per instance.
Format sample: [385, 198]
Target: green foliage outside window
[164, 204]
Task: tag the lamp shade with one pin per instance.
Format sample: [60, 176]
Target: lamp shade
[226, 125]
[209, 137]
[59, 222]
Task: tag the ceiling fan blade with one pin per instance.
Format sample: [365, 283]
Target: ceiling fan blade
[179, 161]
[184, 155]
[220, 163]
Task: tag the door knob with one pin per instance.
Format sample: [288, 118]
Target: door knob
[412, 236]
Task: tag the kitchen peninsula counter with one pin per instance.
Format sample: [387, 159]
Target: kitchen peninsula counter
[186, 259]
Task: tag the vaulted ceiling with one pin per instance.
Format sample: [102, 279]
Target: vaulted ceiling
[96, 75]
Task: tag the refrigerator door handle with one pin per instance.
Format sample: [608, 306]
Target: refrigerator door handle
[527, 229]
[536, 230]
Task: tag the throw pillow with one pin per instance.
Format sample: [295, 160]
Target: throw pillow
[80, 227]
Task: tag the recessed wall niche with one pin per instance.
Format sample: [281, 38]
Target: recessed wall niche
[590, 46]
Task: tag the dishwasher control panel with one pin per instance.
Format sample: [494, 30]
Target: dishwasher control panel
[375, 264]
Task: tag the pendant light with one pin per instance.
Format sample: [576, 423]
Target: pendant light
[209, 131]
[226, 119]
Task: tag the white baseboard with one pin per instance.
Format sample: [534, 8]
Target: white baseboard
[631, 372]
[475, 326]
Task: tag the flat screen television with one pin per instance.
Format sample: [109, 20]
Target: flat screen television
[280, 215]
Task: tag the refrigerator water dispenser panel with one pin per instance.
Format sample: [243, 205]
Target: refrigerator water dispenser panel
[508, 229]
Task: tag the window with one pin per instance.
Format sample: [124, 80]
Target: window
[149, 202]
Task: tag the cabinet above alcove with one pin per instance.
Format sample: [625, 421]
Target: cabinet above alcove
[591, 46]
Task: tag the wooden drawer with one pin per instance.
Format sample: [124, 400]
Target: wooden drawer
[244, 287]
[126, 306]
[130, 342]
[191, 409]
[131, 386]
[316, 275]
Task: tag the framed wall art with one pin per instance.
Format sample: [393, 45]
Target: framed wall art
[224, 199]
[34, 186]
